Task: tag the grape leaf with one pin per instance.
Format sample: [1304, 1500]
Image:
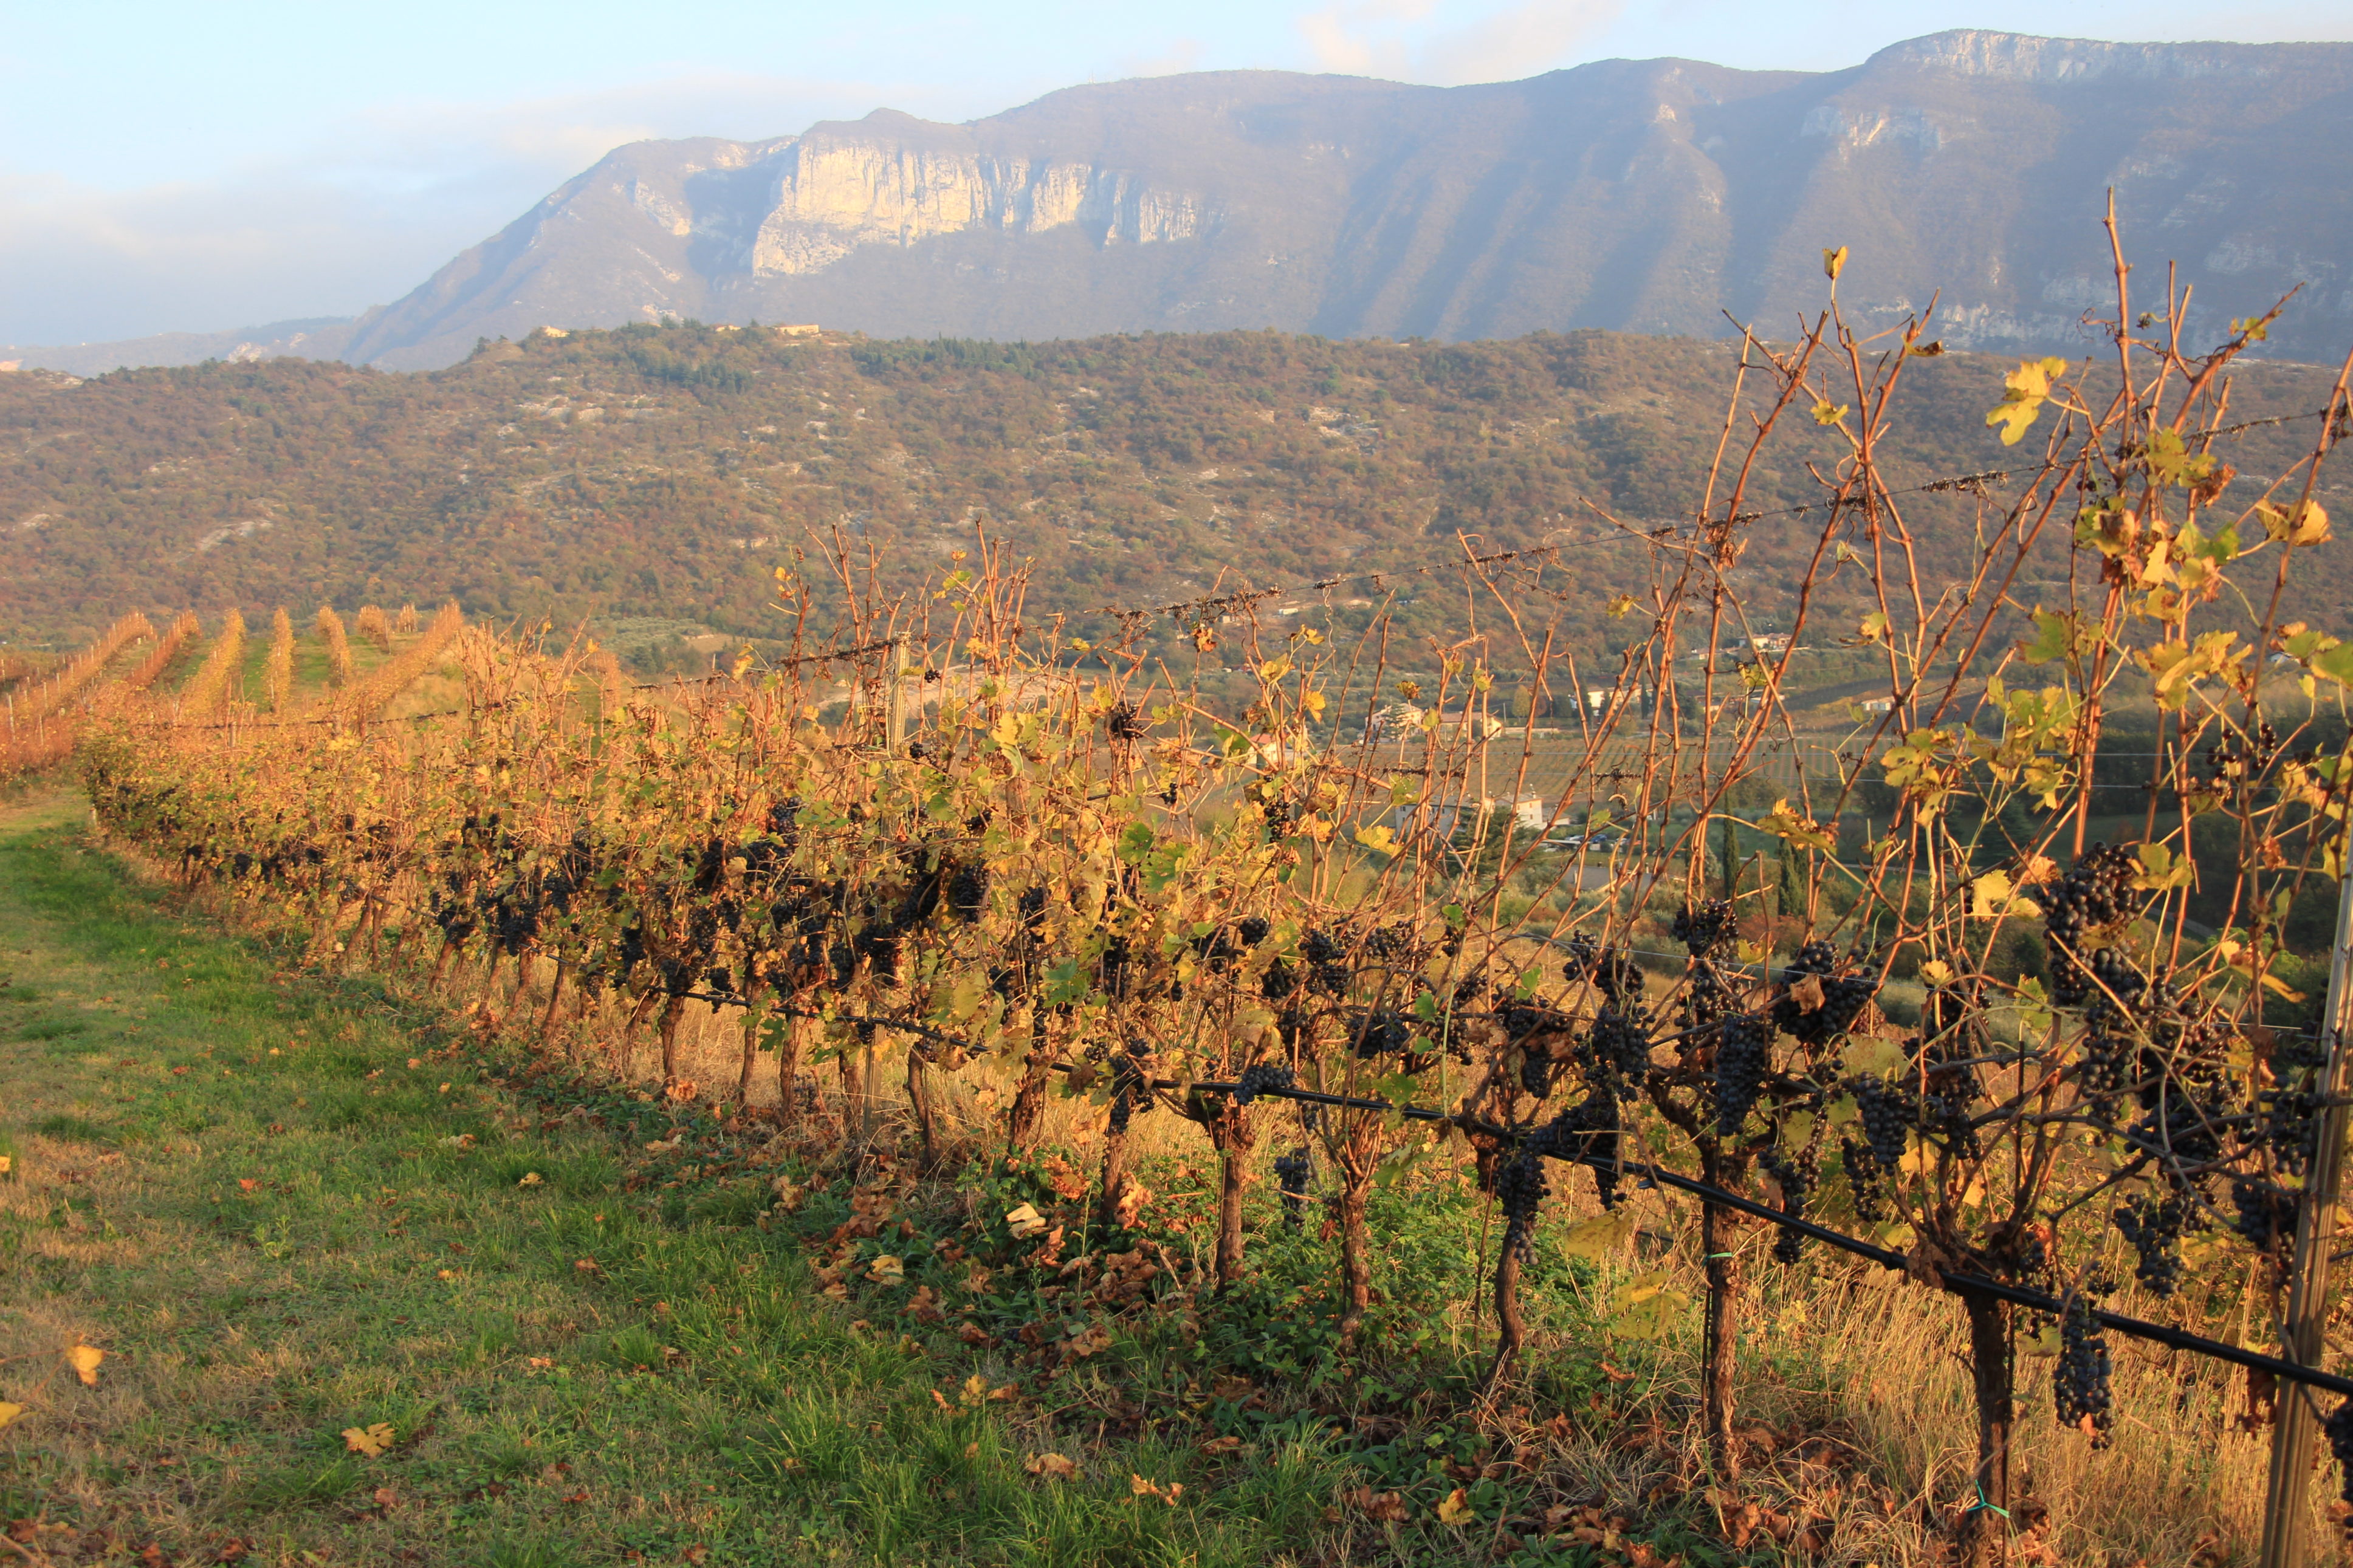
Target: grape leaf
[372, 1441]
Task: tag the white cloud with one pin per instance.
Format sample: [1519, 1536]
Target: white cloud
[1412, 40]
[357, 216]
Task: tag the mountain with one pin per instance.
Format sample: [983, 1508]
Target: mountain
[665, 472]
[1650, 195]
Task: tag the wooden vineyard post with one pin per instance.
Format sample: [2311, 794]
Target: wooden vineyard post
[2287, 1504]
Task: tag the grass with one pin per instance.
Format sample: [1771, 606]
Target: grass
[248, 1190]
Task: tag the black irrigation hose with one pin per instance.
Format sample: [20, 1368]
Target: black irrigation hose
[1959, 1284]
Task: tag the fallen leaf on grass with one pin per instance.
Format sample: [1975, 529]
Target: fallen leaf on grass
[1088, 1342]
[247, 1184]
[1381, 1507]
[580, 1496]
[1138, 1487]
[888, 1270]
[1217, 1446]
[386, 1497]
[1025, 1222]
[84, 1360]
[369, 1440]
[1052, 1467]
[531, 1179]
[584, 1264]
[9, 1412]
[1455, 1509]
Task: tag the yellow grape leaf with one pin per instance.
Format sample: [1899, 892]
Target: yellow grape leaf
[9, 1412]
[1052, 1467]
[2029, 387]
[369, 1440]
[7, 1163]
[1872, 1054]
[1645, 1306]
[1378, 838]
[1991, 898]
[2307, 525]
[1621, 606]
[1829, 413]
[1784, 823]
[888, 1271]
[84, 1360]
[1455, 1509]
[1595, 1238]
[1833, 262]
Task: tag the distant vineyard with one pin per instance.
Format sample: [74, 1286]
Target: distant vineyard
[991, 895]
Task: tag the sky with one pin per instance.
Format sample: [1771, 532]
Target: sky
[169, 166]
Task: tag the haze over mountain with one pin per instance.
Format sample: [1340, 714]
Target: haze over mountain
[1651, 197]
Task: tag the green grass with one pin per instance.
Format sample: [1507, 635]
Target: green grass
[233, 1182]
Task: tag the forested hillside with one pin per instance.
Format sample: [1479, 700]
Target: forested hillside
[666, 471]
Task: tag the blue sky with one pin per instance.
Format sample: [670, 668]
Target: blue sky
[178, 166]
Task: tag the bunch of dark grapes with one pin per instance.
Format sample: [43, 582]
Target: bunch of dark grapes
[1887, 1118]
[2108, 1056]
[1844, 996]
[1865, 1182]
[1130, 1089]
[1612, 973]
[1537, 1073]
[2080, 1383]
[1617, 1050]
[1031, 907]
[1520, 1191]
[1214, 949]
[2339, 1429]
[2116, 985]
[1945, 1114]
[1124, 723]
[1703, 930]
[1394, 943]
[2091, 895]
[1292, 1173]
[1324, 952]
[1252, 930]
[2266, 1216]
[2152, 1223]
[1383, 1033]
[1587, 1131]
[2234, 765]
[1744, 1044]
[1798, 1175]
[1706, 998]
[1261, 1078]
[968, 889]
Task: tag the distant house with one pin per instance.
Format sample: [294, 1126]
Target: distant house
[1770, 642]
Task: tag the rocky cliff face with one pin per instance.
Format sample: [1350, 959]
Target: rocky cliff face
[1969, 167]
